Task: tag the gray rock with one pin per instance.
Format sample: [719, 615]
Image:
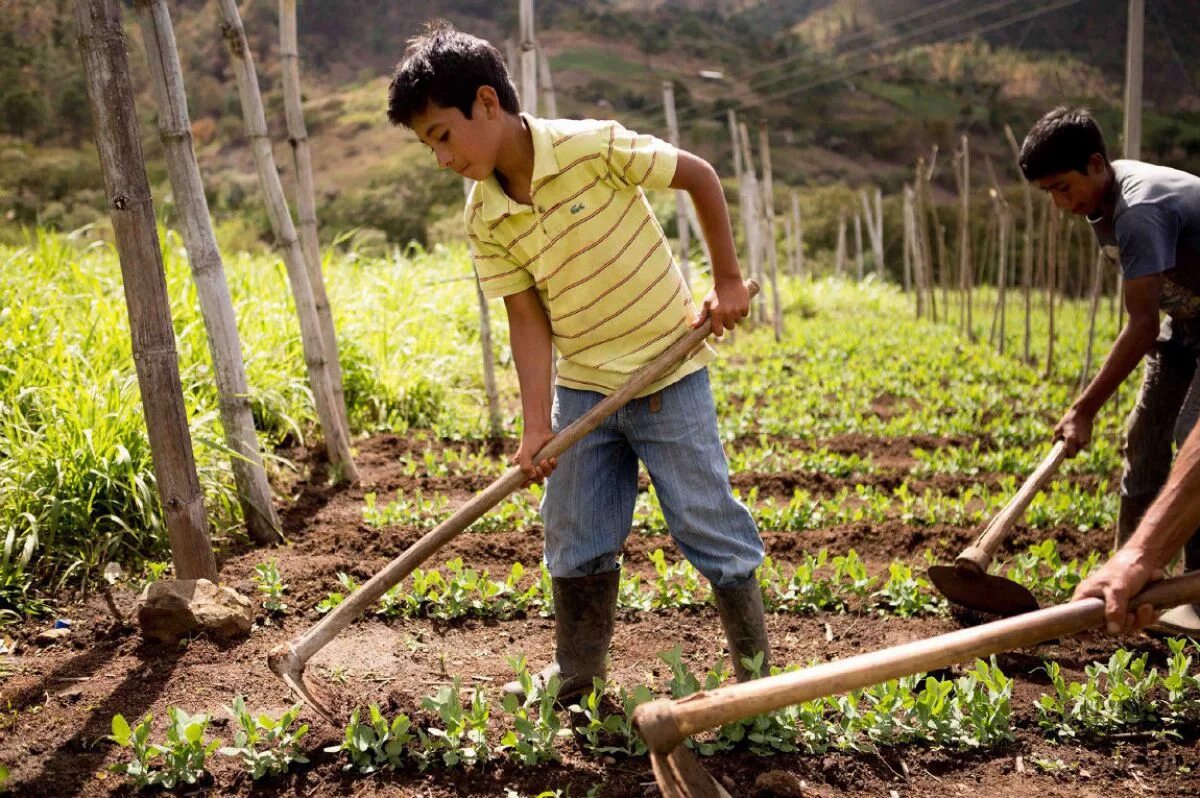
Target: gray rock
[171, 609]
[53, 636]
[780, 784]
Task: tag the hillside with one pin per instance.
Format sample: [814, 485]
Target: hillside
[851, 90]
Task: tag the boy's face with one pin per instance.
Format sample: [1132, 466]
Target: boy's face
[468, 146]
[1080, 193]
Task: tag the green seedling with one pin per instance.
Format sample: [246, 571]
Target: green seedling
[266, 746]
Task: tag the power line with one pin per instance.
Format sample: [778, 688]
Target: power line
[1012, 20]
[922, 11]
[897, 39]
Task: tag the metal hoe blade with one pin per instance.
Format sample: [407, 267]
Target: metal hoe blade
[680, 775]
[994, 595]
[285, 663]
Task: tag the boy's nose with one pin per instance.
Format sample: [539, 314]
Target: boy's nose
[444, 159]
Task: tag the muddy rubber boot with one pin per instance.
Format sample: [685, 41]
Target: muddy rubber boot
[741, 611]
[584, 610]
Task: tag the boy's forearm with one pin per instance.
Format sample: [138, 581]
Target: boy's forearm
[697, 177]
[533, 352]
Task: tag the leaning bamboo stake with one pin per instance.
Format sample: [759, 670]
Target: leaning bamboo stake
[333, 420]
[208, 272]
[495, 425]
[118, 142]
[839, 260]
[768, 206]
[1005, 221]
[874, 219]
[529, 70]
[306, 203]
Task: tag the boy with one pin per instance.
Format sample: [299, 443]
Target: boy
[1148, 217]
[561, 230]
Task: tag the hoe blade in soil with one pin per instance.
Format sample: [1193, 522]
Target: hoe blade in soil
[993, 595]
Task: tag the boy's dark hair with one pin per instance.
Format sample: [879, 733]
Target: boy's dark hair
[446, 66]
[1063, 140]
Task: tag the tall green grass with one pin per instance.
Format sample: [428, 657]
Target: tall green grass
[76, 484]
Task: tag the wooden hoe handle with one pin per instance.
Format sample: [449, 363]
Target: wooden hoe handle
[976, 558]
[665, 723]
[303, 647]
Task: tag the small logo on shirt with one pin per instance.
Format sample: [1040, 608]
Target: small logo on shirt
[576, 208]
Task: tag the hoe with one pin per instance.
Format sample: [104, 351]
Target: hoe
[967, 582]
[288, 660]
[666, 723]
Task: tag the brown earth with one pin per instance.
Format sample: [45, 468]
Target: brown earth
[59, 699]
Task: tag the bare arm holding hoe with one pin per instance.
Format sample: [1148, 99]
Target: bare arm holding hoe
[728, 302]
[1167, 525]
[529, 335]
[1137, 337]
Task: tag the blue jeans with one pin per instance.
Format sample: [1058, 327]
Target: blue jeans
[589, 501]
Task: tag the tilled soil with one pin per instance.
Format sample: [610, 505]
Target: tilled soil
[59, 700]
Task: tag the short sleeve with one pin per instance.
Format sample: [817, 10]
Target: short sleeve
[499, 273]
[1147, 235]
[638, 160]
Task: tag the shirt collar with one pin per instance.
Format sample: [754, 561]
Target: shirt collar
[496, 203]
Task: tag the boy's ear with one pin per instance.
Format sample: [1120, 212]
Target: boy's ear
[488, 101]
[1097, 164]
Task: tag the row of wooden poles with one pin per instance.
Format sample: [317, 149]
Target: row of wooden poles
[1049, 240]
[112, 99]
[926, 269]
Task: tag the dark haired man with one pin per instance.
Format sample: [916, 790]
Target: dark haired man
[1147, 217]
[562, 230]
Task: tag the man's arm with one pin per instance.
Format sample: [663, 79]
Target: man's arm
[1164, 529]
[729, 301]
[529, 336]
[1137, 337]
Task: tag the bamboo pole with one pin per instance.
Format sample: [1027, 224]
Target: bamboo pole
[118, 142]
[874, 219]
[208, 272]
[549, 99]
[925, 217]
[768, 206]
[495, 424]
[1097, 278]
[681, 197]
[798, 229]
[321, 378]
[858, 248]
[529, 69]
[839, 261]
[306, 203]
[1004, 215]
[962, 177]
[906, 223]
[752, 218]
[1053, 257]
[1027, 252]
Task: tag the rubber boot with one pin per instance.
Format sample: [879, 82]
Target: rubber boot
[741, 611]
[584, 611]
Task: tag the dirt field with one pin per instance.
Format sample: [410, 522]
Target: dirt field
[58, 700]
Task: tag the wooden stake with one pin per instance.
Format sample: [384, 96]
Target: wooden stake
[549, 99]
[306, 203]
[321, 377]
[529, 67]
[1132, 139]
[208, 272]
[752, 217]
[681, 197]
[839, 262]
[798, 229]
[858, 248]
[118, 142]
[1052, 266]
[768, 215]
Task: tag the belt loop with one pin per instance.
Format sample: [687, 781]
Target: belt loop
[655, 401]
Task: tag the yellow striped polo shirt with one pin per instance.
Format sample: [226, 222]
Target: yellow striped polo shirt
[590, 243]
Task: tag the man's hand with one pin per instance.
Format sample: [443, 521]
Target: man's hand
[1118, 581]
[1075, 429]
[726, 304]
[531, 443]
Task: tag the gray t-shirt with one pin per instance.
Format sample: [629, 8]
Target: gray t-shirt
[1154, 228]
